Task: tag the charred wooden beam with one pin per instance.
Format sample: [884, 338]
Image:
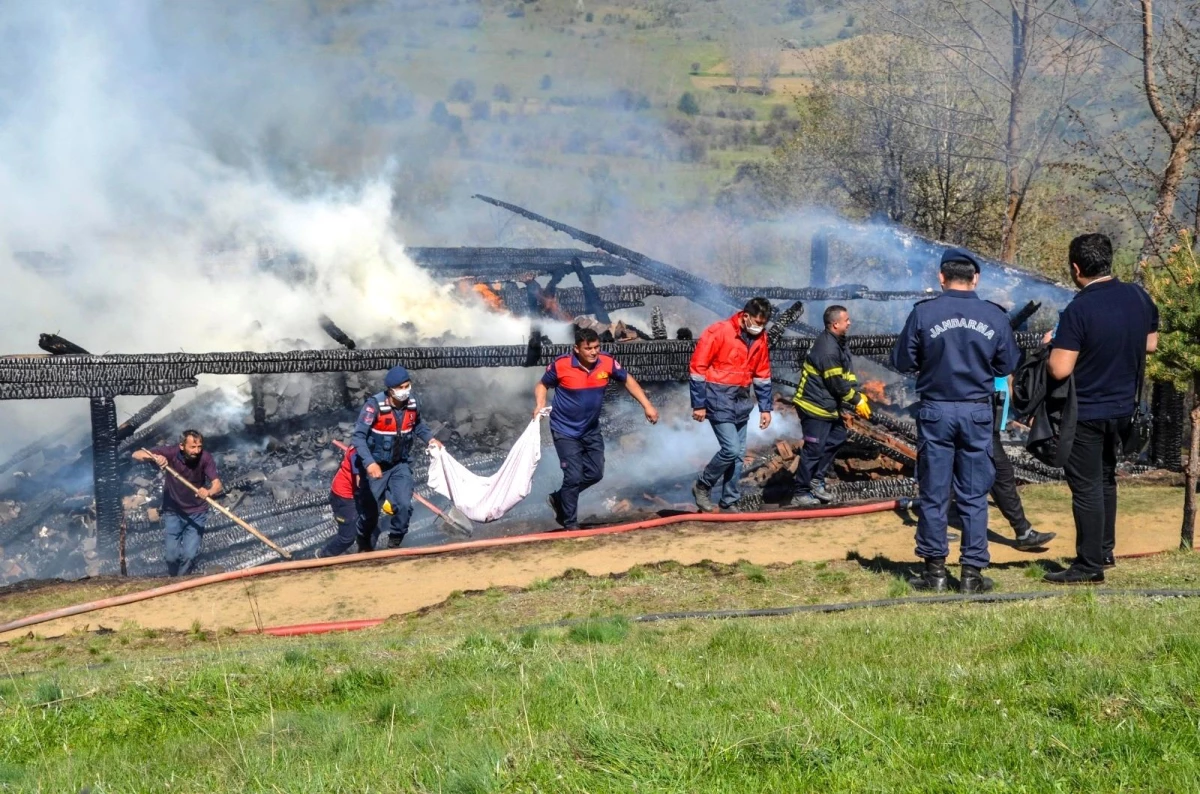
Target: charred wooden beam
[55, 345]
[695, 288]
[336, 333]
[158, 373]
[106, 474]
[1021, 317]
[496, 262]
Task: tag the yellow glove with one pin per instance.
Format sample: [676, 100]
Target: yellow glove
[863, 409]
[386, 507]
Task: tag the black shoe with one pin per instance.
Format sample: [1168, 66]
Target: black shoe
[1073, 575]
[703, 500]
[933, 578]
[1032, 539]
[556, 506]
[804, 500]
[364, 544]
[973, 581]
[1110, 561]
[394, 541]
[731, 509]
[817, 488]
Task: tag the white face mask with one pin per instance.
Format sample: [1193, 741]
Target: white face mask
[401, 395]
[755, 330]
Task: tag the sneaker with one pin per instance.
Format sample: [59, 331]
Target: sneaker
[1073, 575]
[817, 488]
[1110, 561]
[703, 501]
[731, 509]
[1032, 539]
[804, 500]
[973, 581]
[556, 506]
[932, 579]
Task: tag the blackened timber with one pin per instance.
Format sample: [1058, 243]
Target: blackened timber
[106, 473]
[57, 346]
[500, 261]
[336, 333]
[696, 289]
[82, 376]
[591, 298]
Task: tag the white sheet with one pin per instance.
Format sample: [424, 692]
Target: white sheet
[488, 498]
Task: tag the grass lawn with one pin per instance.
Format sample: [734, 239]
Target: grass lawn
[1082, 693]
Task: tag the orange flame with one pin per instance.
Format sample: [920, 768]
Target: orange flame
[875, 392]
[489, 296]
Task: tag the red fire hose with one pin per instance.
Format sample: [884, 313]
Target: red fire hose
[298, 565]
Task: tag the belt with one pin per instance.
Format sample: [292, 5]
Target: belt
[980, 401]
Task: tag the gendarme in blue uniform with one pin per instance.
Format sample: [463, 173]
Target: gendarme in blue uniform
[958, 345]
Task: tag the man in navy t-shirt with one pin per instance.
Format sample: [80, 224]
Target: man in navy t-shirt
[579, 380]
[1102, 339]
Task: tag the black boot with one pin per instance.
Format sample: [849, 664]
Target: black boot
[973, 581]
[394, 541]
[364, 544]
[933, 578]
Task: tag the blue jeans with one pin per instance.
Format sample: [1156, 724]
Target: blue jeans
[822, 439]
[721, 475]
[954, 450]
[582, 461]
[183, 532]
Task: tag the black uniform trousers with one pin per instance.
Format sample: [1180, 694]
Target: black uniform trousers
[1004, 489]
[1091, 471]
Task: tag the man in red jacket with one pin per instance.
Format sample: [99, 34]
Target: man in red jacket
[731, 358]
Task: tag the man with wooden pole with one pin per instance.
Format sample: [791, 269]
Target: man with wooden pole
[184, 509]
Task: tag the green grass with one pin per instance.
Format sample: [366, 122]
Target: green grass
[1080, 694]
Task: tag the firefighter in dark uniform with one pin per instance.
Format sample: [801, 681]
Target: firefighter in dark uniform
[958, 345]
[827, 384]
[383, 441]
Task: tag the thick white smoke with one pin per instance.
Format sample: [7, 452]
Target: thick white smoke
[125, 230]
[144, 205]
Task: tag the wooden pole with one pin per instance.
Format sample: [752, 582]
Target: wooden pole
[223, 511]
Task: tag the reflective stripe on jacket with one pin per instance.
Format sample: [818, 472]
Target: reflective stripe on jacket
[726, 364]
[826, 378]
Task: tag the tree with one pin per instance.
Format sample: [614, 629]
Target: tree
[767, 64]
[888, 137]
[1175, 287]
[688, 104]
[1024, 60]
[1174, 99]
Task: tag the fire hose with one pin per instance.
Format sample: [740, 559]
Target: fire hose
[296, 565]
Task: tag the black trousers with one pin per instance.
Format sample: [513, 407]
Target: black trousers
[1092, 476]
[822, 440]
[1004, 489]
[345, 518]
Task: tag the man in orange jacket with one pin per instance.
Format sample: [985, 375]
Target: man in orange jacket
[731, 360]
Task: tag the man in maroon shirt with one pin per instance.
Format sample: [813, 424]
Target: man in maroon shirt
[184, 513]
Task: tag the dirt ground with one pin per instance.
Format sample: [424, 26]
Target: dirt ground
[1149, 522]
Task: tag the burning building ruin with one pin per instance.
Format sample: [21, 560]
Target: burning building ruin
[73, 509]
